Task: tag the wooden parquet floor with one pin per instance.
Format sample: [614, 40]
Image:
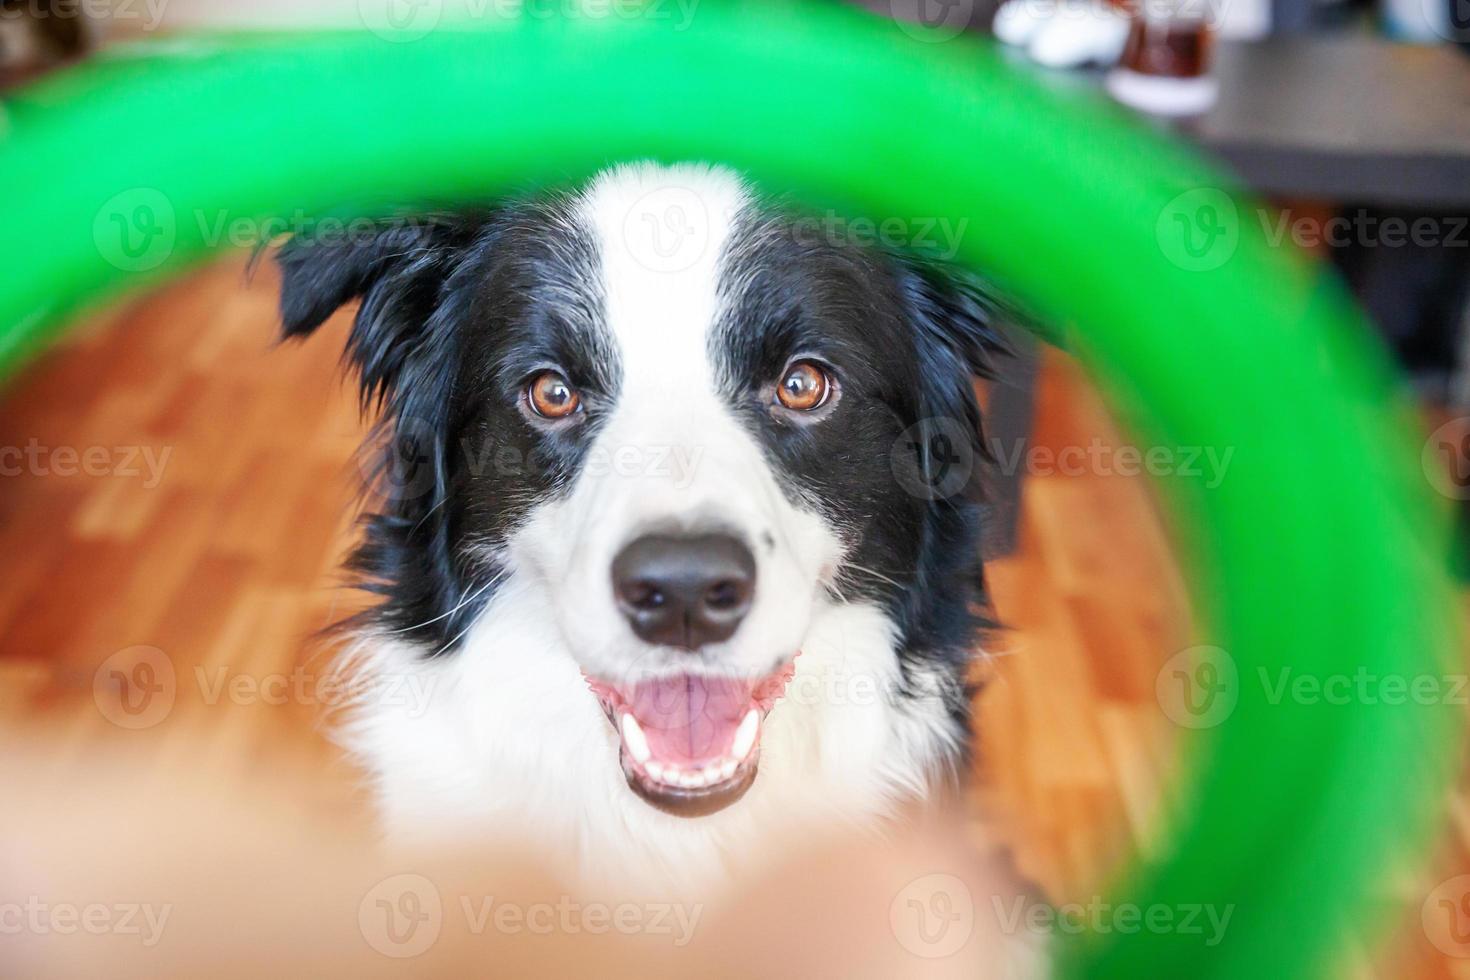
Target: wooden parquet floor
[187, 493]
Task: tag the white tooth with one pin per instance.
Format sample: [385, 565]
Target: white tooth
[745, 734]
[656, 770]
[691, 780]
[634, 738]
[712, 773]
[728, 769]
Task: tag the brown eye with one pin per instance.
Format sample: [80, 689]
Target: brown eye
[552, 396]
[804, 388]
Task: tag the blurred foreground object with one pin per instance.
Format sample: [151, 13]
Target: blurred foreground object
[181, 875]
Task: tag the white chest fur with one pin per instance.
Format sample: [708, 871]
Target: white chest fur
[501, 744]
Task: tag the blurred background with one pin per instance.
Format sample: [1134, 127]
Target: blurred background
[1351, 116]
[184, 496]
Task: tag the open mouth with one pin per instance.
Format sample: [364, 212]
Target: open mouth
[691, 742]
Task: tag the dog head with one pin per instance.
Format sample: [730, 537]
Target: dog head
[685, 416]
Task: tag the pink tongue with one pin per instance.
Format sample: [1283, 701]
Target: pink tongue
[690, 720]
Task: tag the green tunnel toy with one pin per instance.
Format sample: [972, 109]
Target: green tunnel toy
[1321, 551]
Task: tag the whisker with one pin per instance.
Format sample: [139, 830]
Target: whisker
[455, 639]
[868, 571]
[464, 602]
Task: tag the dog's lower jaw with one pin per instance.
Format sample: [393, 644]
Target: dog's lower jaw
[505, 750]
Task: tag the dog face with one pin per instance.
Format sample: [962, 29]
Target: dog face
[684, 418]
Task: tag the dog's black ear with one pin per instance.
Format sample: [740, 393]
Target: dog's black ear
[402, 344]
[397, 269]
[956, 319]
[958, 315]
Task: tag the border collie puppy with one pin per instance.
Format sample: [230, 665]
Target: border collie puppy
[661, 551]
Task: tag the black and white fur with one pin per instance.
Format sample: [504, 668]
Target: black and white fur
[492, 547]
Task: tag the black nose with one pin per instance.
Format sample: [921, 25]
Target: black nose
[684, 592]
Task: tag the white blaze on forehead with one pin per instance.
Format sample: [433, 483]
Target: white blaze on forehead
[661, 231]
[671, 452]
